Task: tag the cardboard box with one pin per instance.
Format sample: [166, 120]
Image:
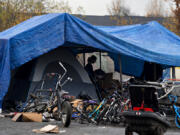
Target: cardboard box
[76, 102]
[47, 129]
[31, 117]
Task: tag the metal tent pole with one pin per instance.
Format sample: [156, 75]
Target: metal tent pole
[100, 60]
[173, 73]
[120, 71]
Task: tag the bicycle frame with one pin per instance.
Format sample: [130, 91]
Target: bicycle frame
[168, 91]
[167, 86]
[97, 110]
[59, 85]
[173, 99]
[61, 77]
[117, 106]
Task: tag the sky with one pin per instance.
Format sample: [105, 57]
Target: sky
[99, 7]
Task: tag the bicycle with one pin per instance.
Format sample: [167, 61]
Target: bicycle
[64, 110]
[113, 112]
[55, 98]
[173, 100]
[83, 109]
[166, 87]
[38, 99]
[91, 115]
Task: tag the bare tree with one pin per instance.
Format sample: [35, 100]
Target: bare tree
[156, 8]
[80, 10]
[117, 11]
[117, 8]
[177, 13]
[54, 6]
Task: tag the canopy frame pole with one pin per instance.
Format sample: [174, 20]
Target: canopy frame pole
[84, 59]
[173, 73]
[120, 72]
[100, 60]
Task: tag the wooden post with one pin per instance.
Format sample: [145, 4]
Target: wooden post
[120, 71]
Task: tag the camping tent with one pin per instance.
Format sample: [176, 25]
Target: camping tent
[31, 74]
[38, 35]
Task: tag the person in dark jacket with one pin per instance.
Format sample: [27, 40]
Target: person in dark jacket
[89, 67]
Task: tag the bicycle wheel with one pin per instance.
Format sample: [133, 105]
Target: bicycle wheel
[177, 120]
[66, 113]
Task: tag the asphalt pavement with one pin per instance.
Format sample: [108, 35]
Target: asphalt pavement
[8, 127]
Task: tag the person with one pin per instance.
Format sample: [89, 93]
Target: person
[89, 67]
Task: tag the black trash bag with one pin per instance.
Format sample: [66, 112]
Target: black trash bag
[84, 96]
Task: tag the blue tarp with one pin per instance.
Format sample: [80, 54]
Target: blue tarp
[166, 74]
[41, 34]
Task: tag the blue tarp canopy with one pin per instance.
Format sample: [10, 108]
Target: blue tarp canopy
[41, 34]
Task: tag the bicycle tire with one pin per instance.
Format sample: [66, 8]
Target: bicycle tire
[66, 113]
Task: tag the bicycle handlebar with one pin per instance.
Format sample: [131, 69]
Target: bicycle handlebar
[68, 79]
[61, 77]
[65, 71]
